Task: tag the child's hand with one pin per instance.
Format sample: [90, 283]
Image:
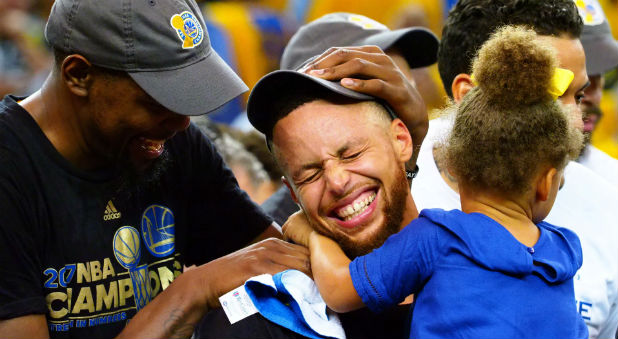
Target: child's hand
[297, 229]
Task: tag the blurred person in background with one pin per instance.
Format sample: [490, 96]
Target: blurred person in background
[601, 56]
[24, 58]
[586, 204]
[248, 170]
[427, 79]
[405, 46]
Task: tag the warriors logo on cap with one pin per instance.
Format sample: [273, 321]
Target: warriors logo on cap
[188, 28]
[590, 12]
[365, 22]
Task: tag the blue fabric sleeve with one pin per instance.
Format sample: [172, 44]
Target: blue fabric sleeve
[400, 267]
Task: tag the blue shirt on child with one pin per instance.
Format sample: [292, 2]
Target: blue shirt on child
[472, 279]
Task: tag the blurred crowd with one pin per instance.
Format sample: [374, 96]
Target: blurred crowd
[251, 36]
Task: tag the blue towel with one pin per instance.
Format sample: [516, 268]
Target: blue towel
[292, 300]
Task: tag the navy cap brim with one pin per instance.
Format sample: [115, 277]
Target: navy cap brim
[418, 45]
[193, 90]
[263, 97]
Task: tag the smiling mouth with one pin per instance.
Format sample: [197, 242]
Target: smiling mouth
[355, 208]
[152, 145]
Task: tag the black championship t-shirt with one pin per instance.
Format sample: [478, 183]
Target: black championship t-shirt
[89, 258]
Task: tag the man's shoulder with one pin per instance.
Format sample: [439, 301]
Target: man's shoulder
[580, 179]
[601, 163]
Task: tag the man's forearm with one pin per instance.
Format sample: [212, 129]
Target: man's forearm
[174, 313]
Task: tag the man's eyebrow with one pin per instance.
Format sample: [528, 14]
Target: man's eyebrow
[319, 164]
[342, 150]
[309, 166]
[584, 86]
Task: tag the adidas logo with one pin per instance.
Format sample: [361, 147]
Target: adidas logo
[111, 212]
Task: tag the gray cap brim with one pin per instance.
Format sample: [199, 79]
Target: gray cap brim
[418, 45]
[604, 55]
[263, 98]
[193, 90]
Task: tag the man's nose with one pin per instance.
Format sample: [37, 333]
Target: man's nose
[337, 179]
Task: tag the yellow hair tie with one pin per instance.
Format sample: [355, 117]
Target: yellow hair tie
[560, 81]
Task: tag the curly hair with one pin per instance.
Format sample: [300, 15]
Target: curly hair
[509, 127]
[471, 22]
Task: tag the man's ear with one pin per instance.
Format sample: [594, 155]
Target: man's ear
[461, 85]
[287, 183]
[401, 140]
[545, 182]
[77, 74]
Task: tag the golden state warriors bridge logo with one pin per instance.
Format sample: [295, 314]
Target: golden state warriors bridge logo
[158, 235]
[158, 230]
[188, 28]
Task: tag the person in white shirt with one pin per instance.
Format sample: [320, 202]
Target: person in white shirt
[601, 56]
[586, 203]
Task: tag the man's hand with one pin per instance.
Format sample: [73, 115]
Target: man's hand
[175, 311]
[267, 256]
[367, 69]
[297, 229]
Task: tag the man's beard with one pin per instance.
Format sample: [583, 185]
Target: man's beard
[393, 210]
[593, 110]
[131, 180]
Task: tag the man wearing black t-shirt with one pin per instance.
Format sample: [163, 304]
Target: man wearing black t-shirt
[106, 191]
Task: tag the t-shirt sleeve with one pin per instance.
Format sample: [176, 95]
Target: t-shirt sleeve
[400, 267]
[21, 284]
[223, 217]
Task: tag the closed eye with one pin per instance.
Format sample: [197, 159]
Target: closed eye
[313, 176]
[351, 156]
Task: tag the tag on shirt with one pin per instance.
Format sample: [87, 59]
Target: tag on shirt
[237, 304]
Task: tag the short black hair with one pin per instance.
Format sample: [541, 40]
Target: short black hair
[471, 22]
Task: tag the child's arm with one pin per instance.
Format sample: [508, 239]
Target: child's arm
[329, 265]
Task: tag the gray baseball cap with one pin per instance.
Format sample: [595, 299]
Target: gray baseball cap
[418, 45]
[162, 44]
[599, 44]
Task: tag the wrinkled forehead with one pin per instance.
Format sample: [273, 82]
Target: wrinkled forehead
[318, 128]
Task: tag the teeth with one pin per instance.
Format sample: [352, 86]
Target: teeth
[355, 208]
[152, 146]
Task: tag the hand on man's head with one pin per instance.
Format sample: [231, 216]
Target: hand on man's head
[367, 69]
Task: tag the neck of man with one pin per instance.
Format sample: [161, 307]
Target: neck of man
[410, 213]
[55, 110]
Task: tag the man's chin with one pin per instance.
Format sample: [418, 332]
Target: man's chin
[390, 224]
[136, 176]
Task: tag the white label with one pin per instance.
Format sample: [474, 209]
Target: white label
[237, 304]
